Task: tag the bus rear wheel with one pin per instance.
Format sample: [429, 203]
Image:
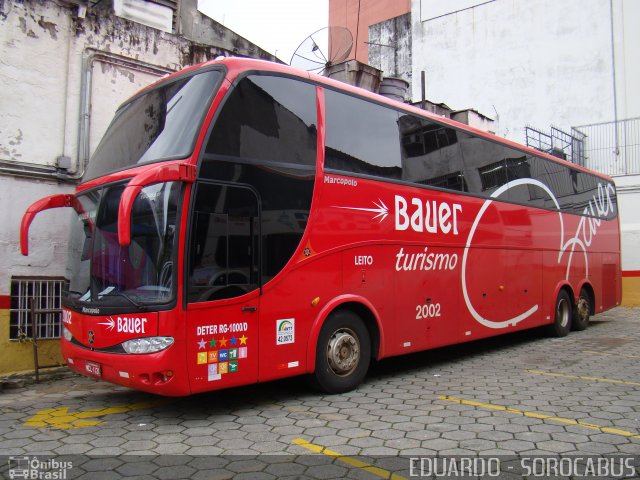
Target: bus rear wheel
[343, 353]
[582, 311]
[563, 314]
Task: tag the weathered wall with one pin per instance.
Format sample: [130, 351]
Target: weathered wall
[43, 47]
[524, 63]
[390, 47]
[18, 356]
[358, 15]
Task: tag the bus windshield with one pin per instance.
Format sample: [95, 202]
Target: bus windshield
[160, 124]
[101, 272]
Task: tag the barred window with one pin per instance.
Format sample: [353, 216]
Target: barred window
[46, 293]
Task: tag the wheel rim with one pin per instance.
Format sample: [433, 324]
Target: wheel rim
[343, 351]
[562, 312]
[582, 309]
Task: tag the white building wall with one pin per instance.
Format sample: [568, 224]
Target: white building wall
[626, 23]
[523, 63]
[628, 188]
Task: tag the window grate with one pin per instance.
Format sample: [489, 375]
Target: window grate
[46, 292]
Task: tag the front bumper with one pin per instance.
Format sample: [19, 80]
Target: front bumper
[162, 373]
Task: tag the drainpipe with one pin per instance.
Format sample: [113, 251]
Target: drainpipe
[89, 56]
[615, 91]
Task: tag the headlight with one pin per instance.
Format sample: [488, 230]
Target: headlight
[147, 345]
[66, 334]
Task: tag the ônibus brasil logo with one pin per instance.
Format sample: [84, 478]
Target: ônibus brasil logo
[431, 216]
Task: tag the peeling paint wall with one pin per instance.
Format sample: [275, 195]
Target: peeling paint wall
[43, 44]
[359, 15]
[202, 30]
[390, 47]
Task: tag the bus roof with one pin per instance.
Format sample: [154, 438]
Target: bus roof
[237, 65]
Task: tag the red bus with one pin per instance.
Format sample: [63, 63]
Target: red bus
[242, 221]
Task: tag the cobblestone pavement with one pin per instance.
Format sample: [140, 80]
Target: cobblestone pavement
[521, 394]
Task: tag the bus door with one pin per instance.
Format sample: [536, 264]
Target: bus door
[223, 286]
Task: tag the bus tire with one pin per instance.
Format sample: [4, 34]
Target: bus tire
[343, 353]
[563, 315]
[582, 311]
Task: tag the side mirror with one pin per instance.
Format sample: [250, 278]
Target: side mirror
[54, 201]
[159, 173]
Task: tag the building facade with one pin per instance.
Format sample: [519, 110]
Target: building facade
[358, 16]
[66, 66]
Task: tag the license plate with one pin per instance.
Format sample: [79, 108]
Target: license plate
[92, 369]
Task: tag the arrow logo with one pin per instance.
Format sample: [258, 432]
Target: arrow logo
[61, 417]
[381, 210]
[110, 323]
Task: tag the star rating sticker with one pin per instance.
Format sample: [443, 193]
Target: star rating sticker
[202, 344]
[243, 340]
[234, 340]
[223, 342]
[212, 343]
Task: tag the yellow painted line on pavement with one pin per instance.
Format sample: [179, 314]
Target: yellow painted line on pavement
[583, 377]
[541, 416]
[623, 355]
[61, 417]
[353, 462]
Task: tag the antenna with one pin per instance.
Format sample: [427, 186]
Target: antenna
[323, 48]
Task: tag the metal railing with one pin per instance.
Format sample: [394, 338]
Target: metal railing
[561, 144]
[612, 147]
[47, 294]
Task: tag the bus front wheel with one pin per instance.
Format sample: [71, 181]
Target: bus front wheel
[582, 311]
[343, 353]
[563, 314]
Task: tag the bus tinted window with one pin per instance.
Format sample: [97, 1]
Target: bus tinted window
[223, 255]
[265, 137]
[489, 166]
[285, 201]
[431, 154]
[160, 124]
[268, 118]
[362, 137]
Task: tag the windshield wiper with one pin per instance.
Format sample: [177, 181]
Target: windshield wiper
[128, 298]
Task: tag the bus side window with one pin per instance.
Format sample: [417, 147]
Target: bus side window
[267, 119]
[266, 136]
[223, 258]
[490, 166]
[362, 137]
[431, 154]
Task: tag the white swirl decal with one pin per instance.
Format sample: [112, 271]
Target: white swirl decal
[600, 206]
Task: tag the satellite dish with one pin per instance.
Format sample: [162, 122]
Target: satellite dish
[321, 49]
